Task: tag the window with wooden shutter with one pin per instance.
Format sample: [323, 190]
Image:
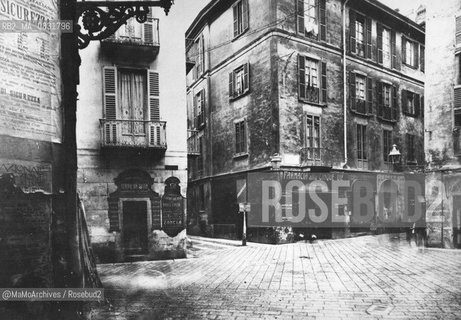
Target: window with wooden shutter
[154, 95]
[380, 29]
[352, 31]
[240, 137]
[352, 90]
[323, 20]
[458, 31]
[410, 144]
[368, 38]
[200, 109]
[394, 62]
[394, 106]
[370, 95]
[111, 129]
[200, 56]
[110, 93]
[239, 81]
[150, 29]
[457, 107]
[300, 16]
[422, 57]
[312, 80]
[380, 98]
[312, 137]
[241, 17]
[323, 67]
[387, 144]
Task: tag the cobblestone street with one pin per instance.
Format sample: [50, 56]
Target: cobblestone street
[371, 277]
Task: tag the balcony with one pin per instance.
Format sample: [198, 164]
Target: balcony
[133, 134]
[193, 143]
[360, 107]
[317, 157]
[311, 95]
[388, 114]
[134, 41]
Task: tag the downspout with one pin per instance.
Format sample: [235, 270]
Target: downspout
[344, 83]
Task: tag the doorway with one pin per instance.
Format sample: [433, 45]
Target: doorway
[135, 227]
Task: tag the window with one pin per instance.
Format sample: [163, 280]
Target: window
[311, 80]
[240, 138]
[458, 31]
[201, 155]
[199, 102]
[387, 101]
[457, 107]
[362, 154]
[199, 56]
[359, 35]
[411, 155]
[132, 31]
[410, 53]
[386, 47]
[241, 17]
[239, 83]
[131, 97]
[312, 137]
[361, 93]
[387, 144]
[411, 103]
[311, 14]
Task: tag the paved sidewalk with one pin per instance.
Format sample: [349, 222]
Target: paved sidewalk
[358, 278]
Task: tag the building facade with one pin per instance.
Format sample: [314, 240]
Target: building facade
[271, 85]
[443, 123]
[131, 135]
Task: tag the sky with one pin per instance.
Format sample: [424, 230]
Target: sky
[186, 10]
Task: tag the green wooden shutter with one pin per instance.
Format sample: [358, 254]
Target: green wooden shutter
[301, 77]
[370, 95]
[246, 77]
[231, 84]
[352, 18]
[394, 109]
[300, 16]
[379, 54]
[245, 15]
[368, 38]
[422, 58]
[404, 50]
[110, 93]
[404, 99]
[416, 99]
[323, 67]
[352, 89]
[379, 97]
[323, 20]
[416, 55]
[153, 85]
[394, 61]
[236, 20]
[148, 29]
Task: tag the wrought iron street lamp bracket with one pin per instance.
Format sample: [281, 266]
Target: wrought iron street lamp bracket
[95, 23]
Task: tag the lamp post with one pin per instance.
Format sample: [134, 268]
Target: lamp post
[394, 156]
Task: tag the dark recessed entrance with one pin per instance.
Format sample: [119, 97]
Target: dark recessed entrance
[135, 227]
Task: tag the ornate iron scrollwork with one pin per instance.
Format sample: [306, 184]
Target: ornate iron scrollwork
[95, 23]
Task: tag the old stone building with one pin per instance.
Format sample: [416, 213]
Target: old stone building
[443, 123]
[298, 86]
[132, 151]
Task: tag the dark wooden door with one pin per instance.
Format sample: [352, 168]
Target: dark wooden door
[135, 227]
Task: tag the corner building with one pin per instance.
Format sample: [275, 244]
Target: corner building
[443, 124]
[271, 85]
[131, 136]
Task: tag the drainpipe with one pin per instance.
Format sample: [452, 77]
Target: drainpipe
[344, 82]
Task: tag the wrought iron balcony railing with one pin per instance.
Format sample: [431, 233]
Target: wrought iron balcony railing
[133, 134]
[134, 39]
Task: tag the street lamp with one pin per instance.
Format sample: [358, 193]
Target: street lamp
[394, 155]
